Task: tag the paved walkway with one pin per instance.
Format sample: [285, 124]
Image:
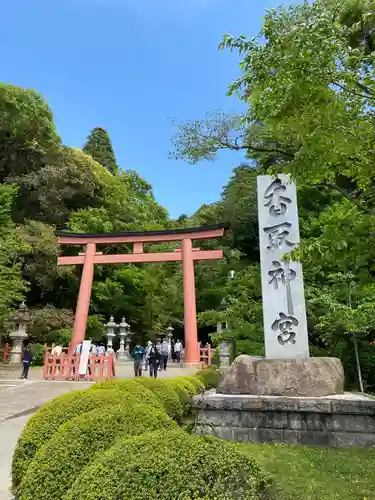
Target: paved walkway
[9, 432]
[19, 399]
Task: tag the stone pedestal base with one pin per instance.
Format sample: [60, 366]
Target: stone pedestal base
[310, 377]
[198, 366]
[343, 421]
[15, 358]
[16, 351]
[123, 357]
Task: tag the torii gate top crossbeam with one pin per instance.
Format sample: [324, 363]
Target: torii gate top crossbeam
[196, 233]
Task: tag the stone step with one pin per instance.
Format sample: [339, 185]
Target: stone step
[6, 367]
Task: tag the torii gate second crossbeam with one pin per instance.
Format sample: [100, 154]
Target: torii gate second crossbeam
[187, 254]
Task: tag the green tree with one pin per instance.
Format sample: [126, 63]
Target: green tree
[308, 83]
[99, 146]
[48, 321]
[27, 131]
[12, 285]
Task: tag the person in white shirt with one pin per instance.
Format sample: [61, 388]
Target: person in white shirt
[101, 350]
[164, 351]
[178, 351]
[57, 350]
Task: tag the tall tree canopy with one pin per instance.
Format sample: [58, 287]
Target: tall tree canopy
[99, 146]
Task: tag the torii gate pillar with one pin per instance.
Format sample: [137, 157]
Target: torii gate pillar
[84, 295]
[190, 313]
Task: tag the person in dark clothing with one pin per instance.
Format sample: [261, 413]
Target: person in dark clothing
[27, 359]
[138, 355]
[164, 351]
[173, 354]
[154, 358]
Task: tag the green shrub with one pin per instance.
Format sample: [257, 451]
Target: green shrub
[189, 387]
[209, 376]
[63, 336]
[197, 382]
[140, 392]
[193, 384]
[181, 466]
[166, 394]
[180, 389]
[60, 461]
[45, 422]
[37, 351]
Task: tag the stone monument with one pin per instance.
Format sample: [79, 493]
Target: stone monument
[287, 396]
[284, 312]
[287, 368]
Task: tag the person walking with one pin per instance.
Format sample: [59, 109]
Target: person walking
[27, 359]
[164, 351]
[154, 361]
[78, 349]
[173, 355]
[147, 352]
[158, 346]
[178, 351]
[138, 355]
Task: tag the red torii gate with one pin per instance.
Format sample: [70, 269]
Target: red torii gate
[187, 254]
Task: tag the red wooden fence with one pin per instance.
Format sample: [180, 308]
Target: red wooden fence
[4, 353]
[65, 367]
[205, 354]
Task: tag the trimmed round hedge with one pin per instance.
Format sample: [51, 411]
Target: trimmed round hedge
[182, 393]
[197, 382]
[180, 466]
[46, 421]
[209, 376]
[60, 461]
[192, 384]
[138, 391]
[166, 394]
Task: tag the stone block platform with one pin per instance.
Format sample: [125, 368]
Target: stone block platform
[343, 421]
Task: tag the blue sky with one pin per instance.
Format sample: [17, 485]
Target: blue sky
[131, 66]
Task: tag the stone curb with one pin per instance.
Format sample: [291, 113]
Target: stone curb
[21, 413]
[274, 403]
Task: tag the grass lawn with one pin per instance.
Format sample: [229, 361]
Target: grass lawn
[309, 473]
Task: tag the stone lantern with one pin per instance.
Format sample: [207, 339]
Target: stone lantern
[221, 327]
[128, 339]
[123, 352]
[169, 331]
[224, 352]
[20, 319]
[111, 332]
